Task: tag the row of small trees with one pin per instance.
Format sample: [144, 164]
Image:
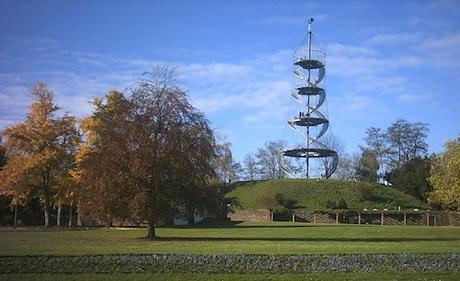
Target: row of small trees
[262, 165]
[145, 157]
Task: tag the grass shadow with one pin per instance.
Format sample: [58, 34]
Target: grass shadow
[239, 225]
[307, 239]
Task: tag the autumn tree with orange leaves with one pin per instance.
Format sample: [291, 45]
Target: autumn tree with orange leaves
[40, 153]
[147, 157]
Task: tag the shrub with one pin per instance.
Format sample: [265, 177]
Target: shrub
[233, 263]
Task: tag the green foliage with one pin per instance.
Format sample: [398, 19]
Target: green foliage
[445, 176]
[341, 204]
[313, 194]
[400, 143]
[368, 166]
[412, 178]
[366, 193]
[286, 204]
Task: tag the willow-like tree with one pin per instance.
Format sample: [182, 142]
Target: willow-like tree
[147, 156]
[174, 147]
[40, 151]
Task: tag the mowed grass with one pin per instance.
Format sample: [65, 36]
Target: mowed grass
[412, 276]
[250, 238]
[313, 194]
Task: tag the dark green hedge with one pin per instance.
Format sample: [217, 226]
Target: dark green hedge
[183, 263]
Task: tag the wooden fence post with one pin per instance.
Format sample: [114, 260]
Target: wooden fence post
[336, 218]
[359, 218]
[381, 218]
[427, 219]
[293, 217]
[405, 219]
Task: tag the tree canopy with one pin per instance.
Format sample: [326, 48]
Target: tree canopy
[149, 157]
[412, 178]
[40, 152]
[368, 166]
[445, 176]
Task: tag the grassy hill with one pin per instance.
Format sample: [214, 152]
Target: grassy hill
[317, 195]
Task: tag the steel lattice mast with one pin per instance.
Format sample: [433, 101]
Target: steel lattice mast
[310, 69]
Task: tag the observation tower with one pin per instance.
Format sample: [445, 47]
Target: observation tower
[311, 123]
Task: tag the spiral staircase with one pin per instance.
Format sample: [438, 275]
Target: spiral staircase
[310, 123]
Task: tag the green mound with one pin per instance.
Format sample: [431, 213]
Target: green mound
[319, 195]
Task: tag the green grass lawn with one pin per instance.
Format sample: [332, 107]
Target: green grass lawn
[253, 238]
[420, 276]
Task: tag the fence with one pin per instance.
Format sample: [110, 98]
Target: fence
[426, 218]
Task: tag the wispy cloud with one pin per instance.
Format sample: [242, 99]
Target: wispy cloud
[277, 20]
[395, 38]
[414, 98]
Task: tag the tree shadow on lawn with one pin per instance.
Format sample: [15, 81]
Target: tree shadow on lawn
[307, 239]
[237, 225]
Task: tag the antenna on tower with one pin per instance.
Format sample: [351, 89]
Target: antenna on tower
[310, 70]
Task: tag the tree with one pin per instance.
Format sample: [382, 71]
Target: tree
[412, 178]
[250, 167]
[269, 159]
[2, 154]
[334, 143]
[39, 151]
[167, 129]
[377, 142]
[347, 167]
[406, 141]
[105, 160]
[155, 150]
[226, 168]
[368, 166]
[445, 176]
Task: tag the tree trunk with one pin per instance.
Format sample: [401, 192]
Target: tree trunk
[15, 220]
[70, 214]
[191, 218]
[47, 215]
[46, 205]
[151, 232]
[58, 223]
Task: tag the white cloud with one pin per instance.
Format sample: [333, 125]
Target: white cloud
[395, 38]
[414, 98]
[443, 51]
[336, 49]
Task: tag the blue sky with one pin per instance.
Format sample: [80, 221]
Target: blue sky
[385, 60]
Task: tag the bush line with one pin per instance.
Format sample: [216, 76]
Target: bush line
[230, 263]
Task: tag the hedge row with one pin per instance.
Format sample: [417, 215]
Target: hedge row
[187, 263]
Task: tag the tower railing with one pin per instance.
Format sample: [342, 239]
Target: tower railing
[311, 123]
